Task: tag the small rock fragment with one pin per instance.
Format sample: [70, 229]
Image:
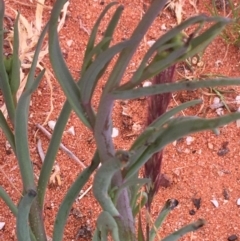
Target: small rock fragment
[218, 63]
[196, 202]
[216, 103]
[115, 132]
[220, 111]
[224, 149]
[215, 203]
[210, 146]
[136, 127]
[125, 111]
[238, 202]
[189, 140]
[147, 83]
[226, 194]
[71, 131]
[8, 148]
[194, 60]
[2, 224]
[232, 238]
[69, 43]
[216, 100]
[177, 172]
[163, 27]
[192, 212]
[238, 121]
[150, 43]
[238, 99]
[51, 124]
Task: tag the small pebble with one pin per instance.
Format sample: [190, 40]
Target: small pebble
[238, 99]
[232, 238]
[192, 212]
[2, 224]
[147, 83]
[220, 111]
[71, 131]
[210, 146]
[189, 140]
[51, 124]
[226, 194]
[196, 202]
[150, 43]
[69, 43]
[115, 132]
[163, 27]
[238, 202]
[215, 203]
[216, 100]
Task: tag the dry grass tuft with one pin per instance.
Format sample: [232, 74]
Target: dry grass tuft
[29, 32]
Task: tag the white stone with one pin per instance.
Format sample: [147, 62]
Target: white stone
[215, 203]
[115, 132]
[51, 124]
[2, 224]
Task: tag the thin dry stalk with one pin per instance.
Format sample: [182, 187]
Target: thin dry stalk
[62, 147]
[157, 105]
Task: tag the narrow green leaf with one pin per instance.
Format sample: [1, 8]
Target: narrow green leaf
[199, 43]
[95, 51]
[21, 134]
[30, 79]
[15, 74]
[70, 197]
[6, 198]
[140, 229]
[112, 25]
[4, 80]
[188, 228]
[156, 67]
[167, 208]
[173, 130]
[143, 201]
[141, 143]
[104, 44]
[142, 138]
[90, 78]
[60, 68]
[7, 131]
[138, 34]
[166, 88]
[137, 182]
[52, 152]
[23, 231]
[161, 45]
[93, 34]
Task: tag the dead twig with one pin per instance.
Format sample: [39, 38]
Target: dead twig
[83, 27]
[56, 168]
[85, 193]
[62, 147]
[40, 150]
